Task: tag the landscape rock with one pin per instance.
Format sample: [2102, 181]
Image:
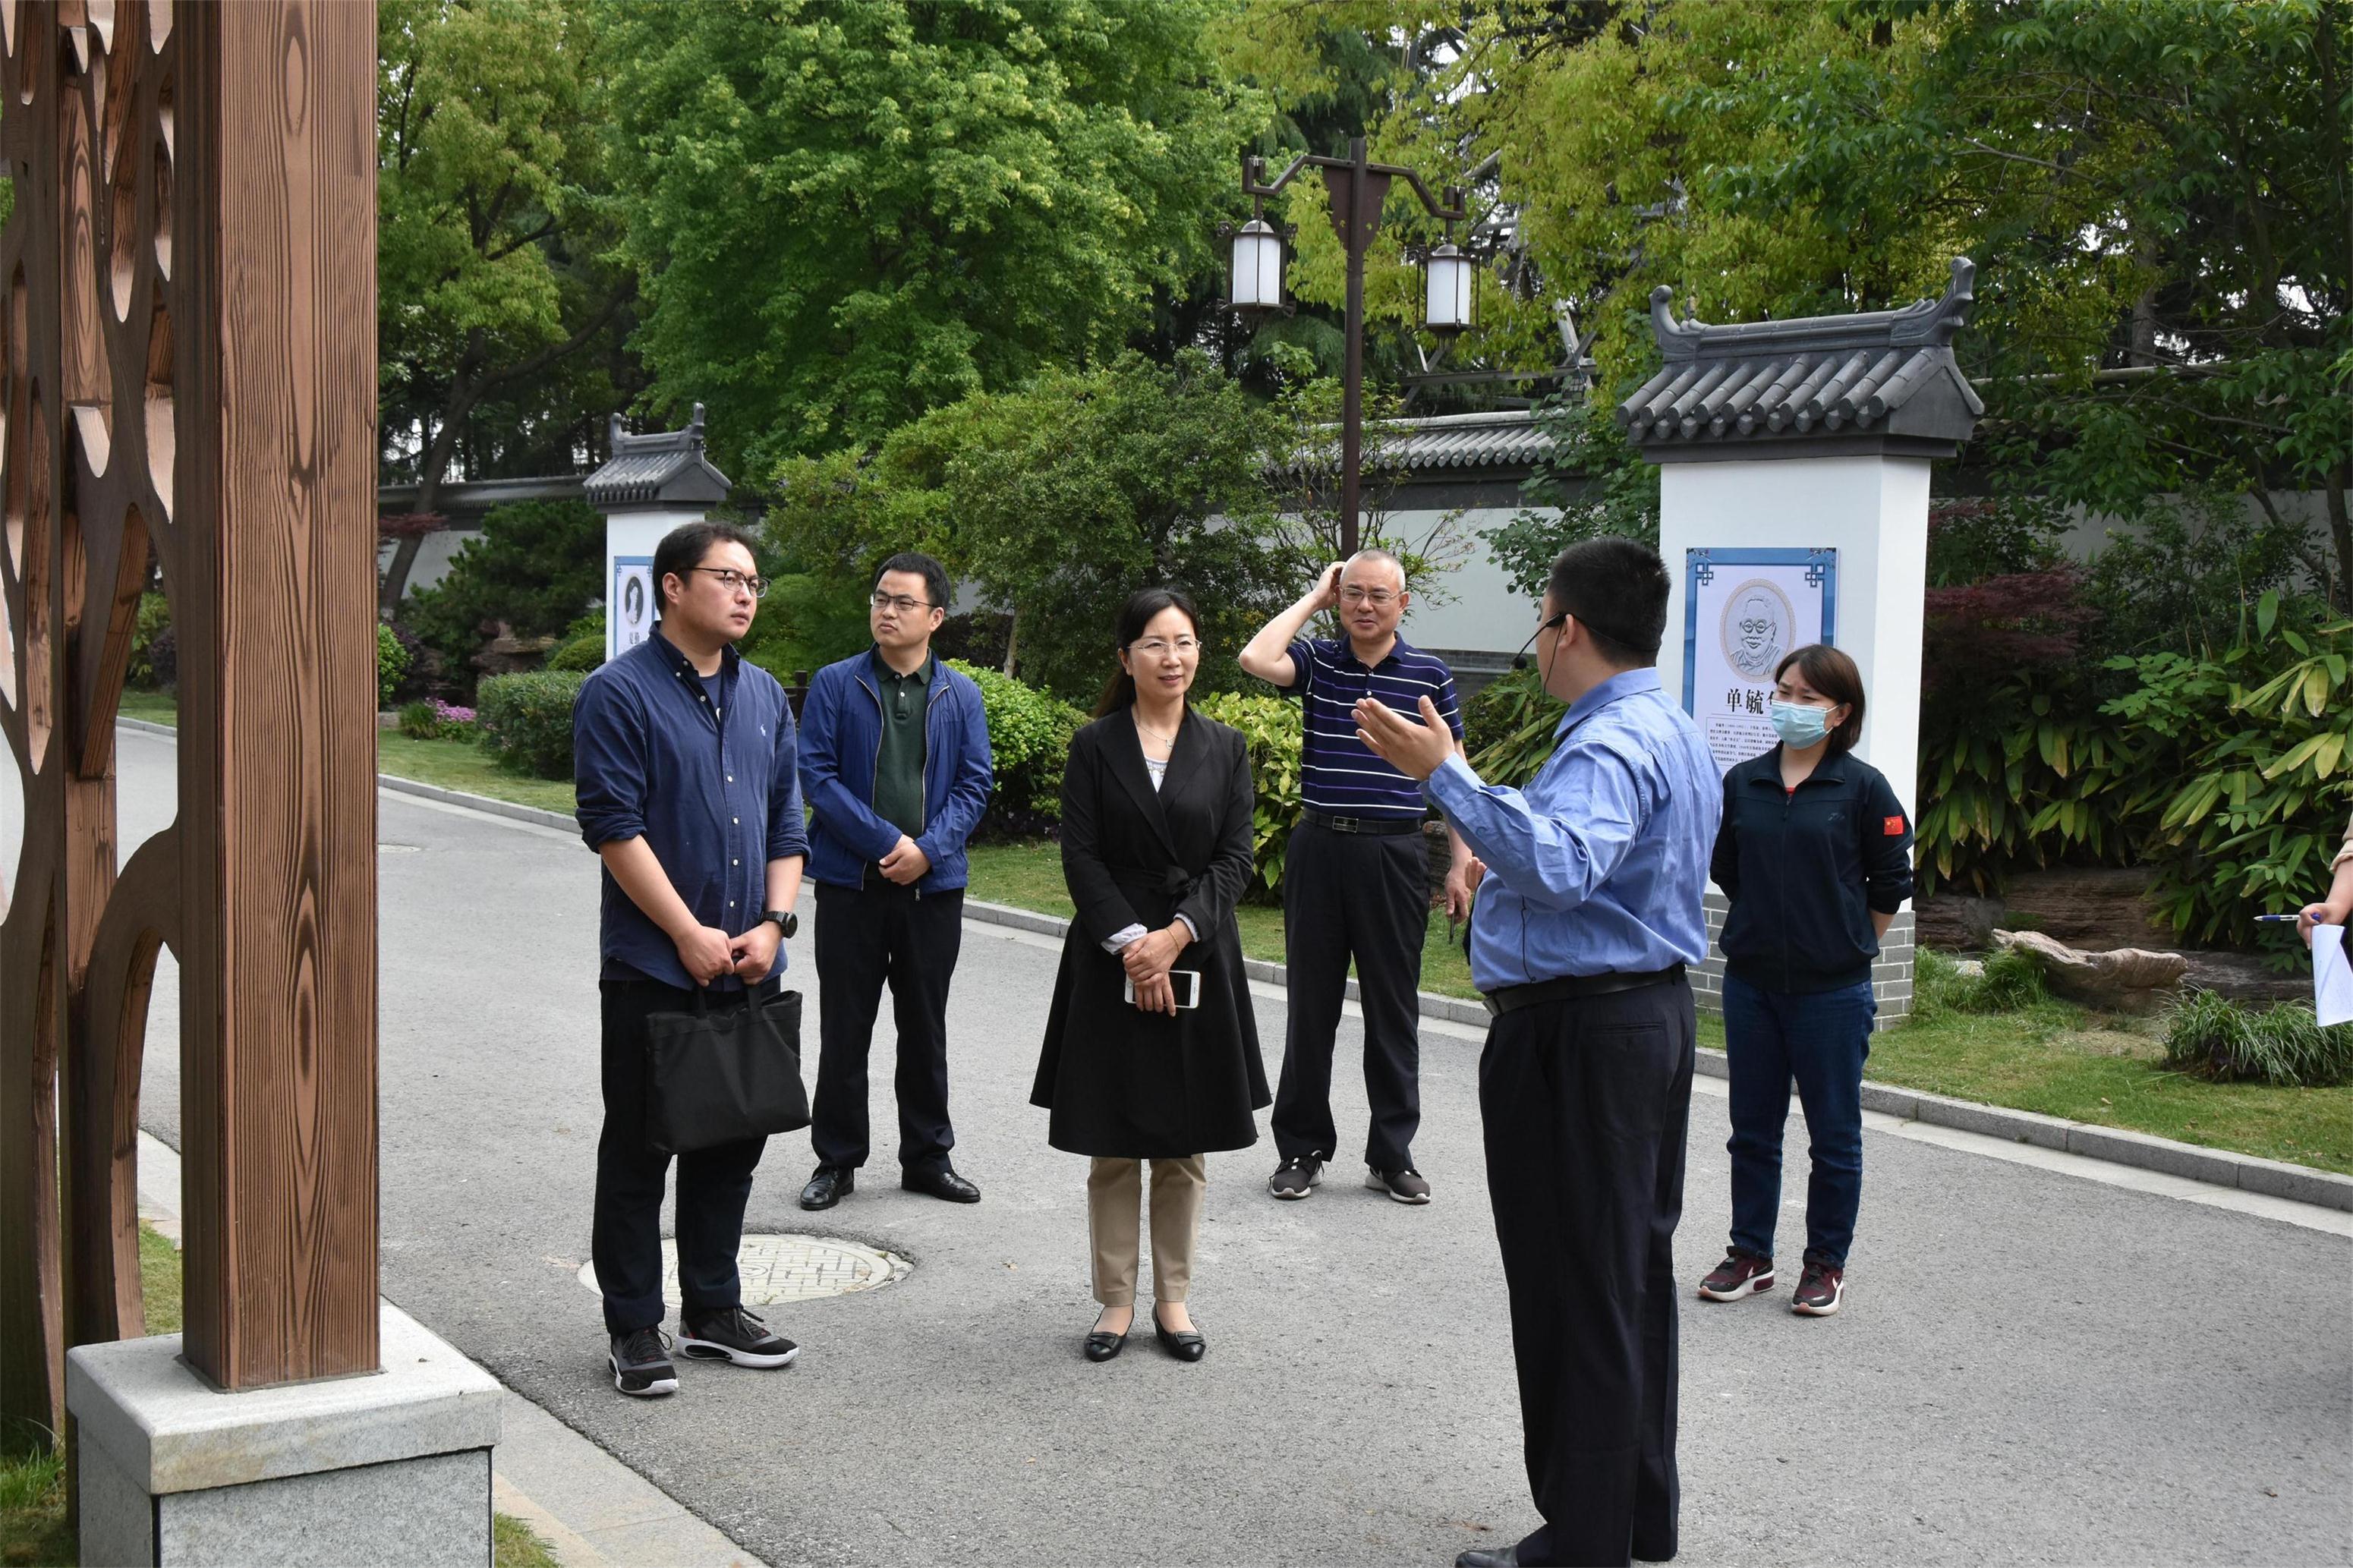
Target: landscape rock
[2121, 980]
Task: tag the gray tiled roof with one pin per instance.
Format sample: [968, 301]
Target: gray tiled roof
[1505, 438]
[664, 469]
[1880, 381]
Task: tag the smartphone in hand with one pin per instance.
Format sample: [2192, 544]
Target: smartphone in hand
[1185, 982]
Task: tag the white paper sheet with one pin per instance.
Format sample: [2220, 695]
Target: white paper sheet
[2332, 975]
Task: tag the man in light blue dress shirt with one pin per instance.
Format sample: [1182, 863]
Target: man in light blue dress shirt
[1587, 916]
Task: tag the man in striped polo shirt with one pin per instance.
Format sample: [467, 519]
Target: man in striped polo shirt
[1355, 877]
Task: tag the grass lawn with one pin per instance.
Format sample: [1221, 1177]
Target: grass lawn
[1030, 877]
[34, 1533]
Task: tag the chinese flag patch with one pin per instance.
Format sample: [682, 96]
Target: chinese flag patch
[1893, 826]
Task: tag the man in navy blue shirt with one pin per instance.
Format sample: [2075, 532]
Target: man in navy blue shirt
[1355, 876]
[895, 758]
[683, 760]
[1587, 915]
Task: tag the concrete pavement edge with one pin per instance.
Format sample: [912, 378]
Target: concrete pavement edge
[2218, 1167]
[591, 1510]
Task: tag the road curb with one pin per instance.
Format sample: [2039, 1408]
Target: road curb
[2117, 1145]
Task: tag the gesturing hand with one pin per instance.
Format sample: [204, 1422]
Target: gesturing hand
[1414, 750]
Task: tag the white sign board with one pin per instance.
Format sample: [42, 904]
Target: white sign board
[631, 601]
[1744, 611]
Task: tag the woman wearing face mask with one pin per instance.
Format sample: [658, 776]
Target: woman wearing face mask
[1150, 1050]
[1815, 856]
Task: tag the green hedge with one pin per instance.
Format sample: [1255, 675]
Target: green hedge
[1029, 737]
[1271, 725]
[390, 665]
[527, 720]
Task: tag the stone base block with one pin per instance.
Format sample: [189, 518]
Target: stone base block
[392, 1468]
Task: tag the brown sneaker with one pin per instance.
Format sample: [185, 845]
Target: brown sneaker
[1819, 1290]
[1740, 1274]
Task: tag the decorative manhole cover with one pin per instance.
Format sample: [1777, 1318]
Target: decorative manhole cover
[778, 1270]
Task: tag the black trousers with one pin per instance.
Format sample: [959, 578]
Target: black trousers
[866, 936]
[712, 1184]
[1366, 898]
[1585, 1103]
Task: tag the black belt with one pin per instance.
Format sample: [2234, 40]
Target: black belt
[1511, 998]
[1380, 825]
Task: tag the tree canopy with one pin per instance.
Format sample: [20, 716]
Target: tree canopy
[493, 223]
[850, 212]
[1061, 498]
[2155, 194]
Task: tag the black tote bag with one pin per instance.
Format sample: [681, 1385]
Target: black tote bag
[719, 1076]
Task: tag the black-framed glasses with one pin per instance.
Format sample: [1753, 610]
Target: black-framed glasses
[901, 603]
[731, 580]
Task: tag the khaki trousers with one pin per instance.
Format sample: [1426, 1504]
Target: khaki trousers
[1114, 1201]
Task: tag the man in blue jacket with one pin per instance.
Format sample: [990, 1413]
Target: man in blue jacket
[895, 764]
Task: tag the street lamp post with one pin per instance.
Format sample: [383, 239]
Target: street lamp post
[1358, 188]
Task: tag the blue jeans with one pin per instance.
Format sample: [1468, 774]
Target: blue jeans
[1821, 1039]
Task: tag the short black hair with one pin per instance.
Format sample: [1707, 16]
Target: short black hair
[934, 575]
[1617, 589]
[687, 546]
[1831, 672]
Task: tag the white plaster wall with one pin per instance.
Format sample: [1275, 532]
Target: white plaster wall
[1874, 513]
[1484, 614]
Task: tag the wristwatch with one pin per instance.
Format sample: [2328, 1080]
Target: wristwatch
[787, 921]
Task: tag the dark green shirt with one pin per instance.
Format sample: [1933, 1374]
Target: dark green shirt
[899, 765]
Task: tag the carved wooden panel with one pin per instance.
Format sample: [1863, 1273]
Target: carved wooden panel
[187, 368]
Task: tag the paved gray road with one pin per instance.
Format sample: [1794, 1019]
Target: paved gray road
[2031, 1367]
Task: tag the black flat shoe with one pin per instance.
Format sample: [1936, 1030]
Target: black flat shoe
[828, 1185]
[944, 1185]
[1184, 1347]
[1509, 1557]
[1102, 1346]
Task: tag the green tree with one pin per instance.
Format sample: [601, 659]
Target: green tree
[850, 212]
[1060, 499]
[2157, 195]
[492, 214]
[537, 568]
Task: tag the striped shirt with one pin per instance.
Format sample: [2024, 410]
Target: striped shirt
[1338, 775]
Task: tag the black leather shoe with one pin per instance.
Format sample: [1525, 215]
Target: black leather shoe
[828, 1185]
[1509, 1557]
[1184, 1347]
[1102, 1346]
[943, 1183]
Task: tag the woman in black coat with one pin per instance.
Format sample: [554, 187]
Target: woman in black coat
[1151, 1050]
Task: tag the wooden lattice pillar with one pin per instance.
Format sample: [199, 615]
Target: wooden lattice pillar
[187, 362]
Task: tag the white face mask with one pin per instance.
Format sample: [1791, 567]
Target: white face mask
[1800, 725]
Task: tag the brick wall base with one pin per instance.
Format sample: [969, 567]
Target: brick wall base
[1890, 972]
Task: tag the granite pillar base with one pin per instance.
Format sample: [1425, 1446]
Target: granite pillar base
[393, 1468]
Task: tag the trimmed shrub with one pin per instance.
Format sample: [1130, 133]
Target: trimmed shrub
[1271, 725]
[583, 645]
[390, 665]
[527, 720]
[2209, 1037]
[1029, 737]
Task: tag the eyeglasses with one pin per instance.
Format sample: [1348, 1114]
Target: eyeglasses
[731, 580]
[1377, 597]
[901, 603]
[1158, 647]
